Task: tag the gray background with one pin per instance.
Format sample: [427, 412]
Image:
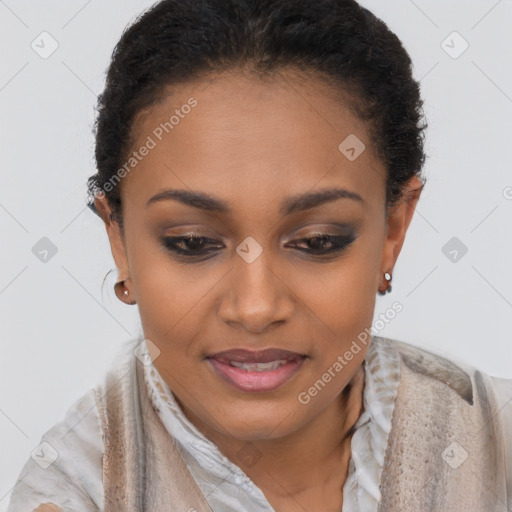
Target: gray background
[61, 329]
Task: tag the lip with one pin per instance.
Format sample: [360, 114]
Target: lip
[256, 381]
[241, 355]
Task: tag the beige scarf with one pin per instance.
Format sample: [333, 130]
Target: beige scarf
[445, 450]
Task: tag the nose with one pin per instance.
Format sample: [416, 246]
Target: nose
[257, 298]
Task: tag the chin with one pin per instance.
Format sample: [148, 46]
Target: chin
[257, 423]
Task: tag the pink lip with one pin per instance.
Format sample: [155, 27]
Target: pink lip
[257, 381]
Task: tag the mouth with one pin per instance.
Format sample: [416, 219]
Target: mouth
[251, 371]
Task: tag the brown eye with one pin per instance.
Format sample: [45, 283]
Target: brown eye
[190, 245]
[325, 244]
[193, 246]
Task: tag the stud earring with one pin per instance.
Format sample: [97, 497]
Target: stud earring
[121, 294]
[387, 277]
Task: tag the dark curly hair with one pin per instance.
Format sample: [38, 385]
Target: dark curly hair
[338, 41]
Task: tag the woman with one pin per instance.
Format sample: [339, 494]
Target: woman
[259, 164]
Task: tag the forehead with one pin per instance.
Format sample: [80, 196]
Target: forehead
[247, 138]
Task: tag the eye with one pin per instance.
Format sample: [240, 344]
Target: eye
[191, 245]
[324, 244]
[196, 246]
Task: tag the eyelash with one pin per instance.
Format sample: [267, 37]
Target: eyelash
[339, 242]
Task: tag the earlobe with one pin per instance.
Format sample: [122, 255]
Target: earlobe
[123, 293]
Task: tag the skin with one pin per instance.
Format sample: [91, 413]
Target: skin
[48, 507]
[253, 143]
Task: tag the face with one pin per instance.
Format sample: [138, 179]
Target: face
[246, 227]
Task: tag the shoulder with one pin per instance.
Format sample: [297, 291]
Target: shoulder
[429, 362]
[66, 466]
[468, 382]
[454, 374]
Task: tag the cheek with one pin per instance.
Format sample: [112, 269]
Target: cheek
[169, 305]
[341, 298]
[162, 290]
[173, 299]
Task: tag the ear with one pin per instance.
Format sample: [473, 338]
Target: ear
[398, 220]
[115, 236]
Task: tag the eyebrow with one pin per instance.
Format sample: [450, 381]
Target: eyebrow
[290, 205]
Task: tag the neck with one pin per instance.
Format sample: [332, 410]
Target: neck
[316, 456]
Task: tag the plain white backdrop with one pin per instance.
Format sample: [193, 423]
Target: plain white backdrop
[61, 329]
